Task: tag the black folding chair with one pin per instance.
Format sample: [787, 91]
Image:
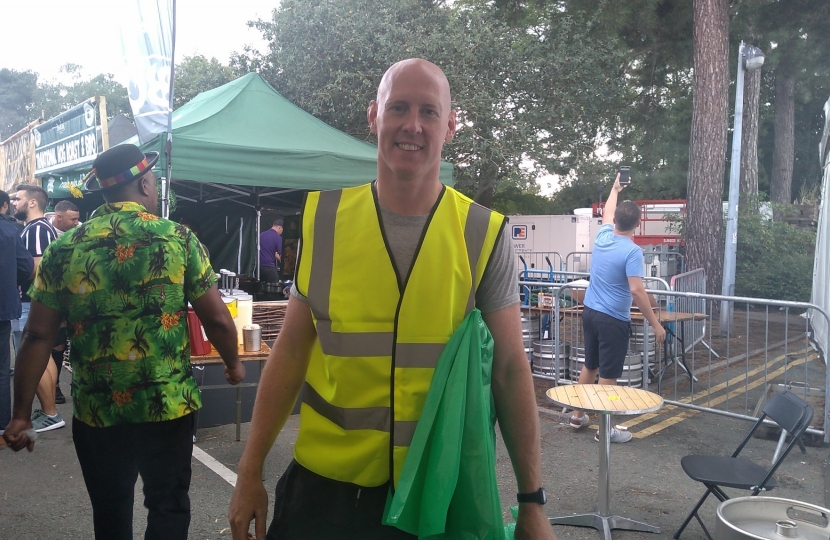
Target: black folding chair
[791, 413]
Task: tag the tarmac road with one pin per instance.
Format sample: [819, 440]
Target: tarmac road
[42, 494]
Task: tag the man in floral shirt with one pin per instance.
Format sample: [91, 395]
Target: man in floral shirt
[123, 281]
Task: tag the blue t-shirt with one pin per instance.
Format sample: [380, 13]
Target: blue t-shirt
[614, 259]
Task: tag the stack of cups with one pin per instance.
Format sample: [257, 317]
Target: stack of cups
[244, 313]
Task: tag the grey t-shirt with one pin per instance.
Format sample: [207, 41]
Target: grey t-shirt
[499, 286]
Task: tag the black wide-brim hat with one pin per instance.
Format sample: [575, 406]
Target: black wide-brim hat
[119, 165]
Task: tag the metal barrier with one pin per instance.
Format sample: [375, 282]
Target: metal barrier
[663, 261]
[658, 261]
[692, 282]
[538, 265]
[770, 347]
[577, 261]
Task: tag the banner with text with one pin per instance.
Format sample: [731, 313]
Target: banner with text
[68, 140]
[147, 44]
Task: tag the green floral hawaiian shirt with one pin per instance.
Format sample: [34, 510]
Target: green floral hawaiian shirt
[123, 280]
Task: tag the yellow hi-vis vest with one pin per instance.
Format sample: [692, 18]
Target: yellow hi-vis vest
[379, 334]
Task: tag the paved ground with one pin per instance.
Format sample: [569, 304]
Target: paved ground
[42, 494]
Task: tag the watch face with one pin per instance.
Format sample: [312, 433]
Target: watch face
[539, 497]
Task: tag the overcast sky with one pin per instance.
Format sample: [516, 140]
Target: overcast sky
[43, 35]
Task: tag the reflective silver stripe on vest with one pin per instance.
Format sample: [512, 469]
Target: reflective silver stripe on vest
[319, 283]
[353, 343]
[475, 232]
[374, 418]
[367, 344]
[404, 431]
[417, 355]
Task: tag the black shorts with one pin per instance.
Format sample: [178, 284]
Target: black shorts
[606, 342]
[309, 506]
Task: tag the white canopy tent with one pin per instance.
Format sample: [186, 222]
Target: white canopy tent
[821, 266]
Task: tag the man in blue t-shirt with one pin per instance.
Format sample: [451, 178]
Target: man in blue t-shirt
[616, 278]
[270, 253]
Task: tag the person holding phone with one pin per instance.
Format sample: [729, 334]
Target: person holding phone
[616, 278]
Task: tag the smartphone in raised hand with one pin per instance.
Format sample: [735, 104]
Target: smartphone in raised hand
[625, 175]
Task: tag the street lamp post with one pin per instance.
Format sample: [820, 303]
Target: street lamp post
[749, 58]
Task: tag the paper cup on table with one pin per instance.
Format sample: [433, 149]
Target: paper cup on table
[252, 337]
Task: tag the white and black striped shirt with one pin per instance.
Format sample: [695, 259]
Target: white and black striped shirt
[37, 235]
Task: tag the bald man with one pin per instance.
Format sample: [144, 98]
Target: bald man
[363, 351]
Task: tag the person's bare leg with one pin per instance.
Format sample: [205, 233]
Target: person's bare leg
[46, 389]
[587, 376]
[612, 382]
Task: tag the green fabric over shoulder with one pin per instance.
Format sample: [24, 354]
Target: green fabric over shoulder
[448, 487]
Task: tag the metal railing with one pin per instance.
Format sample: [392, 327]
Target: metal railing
[577, 261]
[692, 282]
[538, 265]
[769, 347]
[658, 261]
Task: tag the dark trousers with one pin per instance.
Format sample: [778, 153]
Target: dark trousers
[5, 379]
[308, 506]
[111, 459]
[268, 274]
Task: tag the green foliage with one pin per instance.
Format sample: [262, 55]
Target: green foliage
[512, 200]
[195, 74]
[171, 195]
[774, 260]
[17, 89]
[538, 94]
[53, 98]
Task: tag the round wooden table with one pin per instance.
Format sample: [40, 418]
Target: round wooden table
[605, 400]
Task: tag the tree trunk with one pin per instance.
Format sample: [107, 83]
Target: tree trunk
[707, 148]
[749, 142]
[783, 154]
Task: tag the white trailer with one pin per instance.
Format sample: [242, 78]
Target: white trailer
[545, 243]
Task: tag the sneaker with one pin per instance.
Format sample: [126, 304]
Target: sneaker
[579, 422]
[48, 423]
[37, 413]
[60, 399]
[617, 436]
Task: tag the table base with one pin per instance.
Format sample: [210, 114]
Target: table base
[604, 524]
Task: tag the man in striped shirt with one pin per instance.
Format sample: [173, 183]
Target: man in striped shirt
[30, 205]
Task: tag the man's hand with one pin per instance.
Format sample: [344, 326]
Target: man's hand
[659, 334]
[16, 437]
[611, 203]
[533, 524]
[235, 374]
[249, 502]
[617, 186]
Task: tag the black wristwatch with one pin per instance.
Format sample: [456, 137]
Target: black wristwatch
[538, 497]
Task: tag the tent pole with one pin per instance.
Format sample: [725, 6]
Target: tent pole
[239, 253]
[168, 147]
[258, 228]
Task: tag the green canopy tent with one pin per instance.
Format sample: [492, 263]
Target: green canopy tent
[244, 143]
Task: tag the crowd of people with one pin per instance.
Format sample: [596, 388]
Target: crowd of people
[117, 288]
